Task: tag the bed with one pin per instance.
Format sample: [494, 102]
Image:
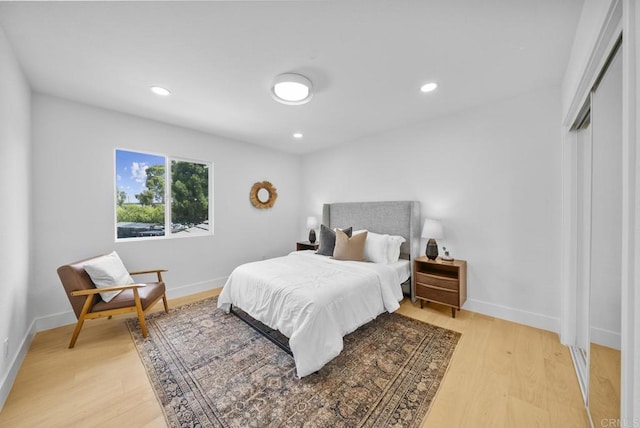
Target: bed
[315, 300]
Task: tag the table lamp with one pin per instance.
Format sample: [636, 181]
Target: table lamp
[312, 223]
[432, 230]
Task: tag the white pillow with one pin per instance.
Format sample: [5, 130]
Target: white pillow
[375, 248]
[107, 271]
[381, 248]
[393, 247]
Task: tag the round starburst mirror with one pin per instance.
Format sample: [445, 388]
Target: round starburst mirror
[263, 195]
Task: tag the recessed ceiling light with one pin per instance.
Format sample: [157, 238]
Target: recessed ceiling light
[298, 135]
[428, 87]
[159, 90]
[291, 89]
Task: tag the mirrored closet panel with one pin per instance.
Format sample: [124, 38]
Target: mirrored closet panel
[580, 349]
[606, 245]
[596, 349]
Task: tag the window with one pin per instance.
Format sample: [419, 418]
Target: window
[147, 206]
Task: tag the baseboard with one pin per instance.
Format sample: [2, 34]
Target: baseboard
[55, 320]
[607, 338]
[197, 287]
[14, 367]
[519, 316]
[68, 317]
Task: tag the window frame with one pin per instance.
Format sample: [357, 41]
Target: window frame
[168, 196]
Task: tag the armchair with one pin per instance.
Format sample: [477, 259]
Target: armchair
[87, 304]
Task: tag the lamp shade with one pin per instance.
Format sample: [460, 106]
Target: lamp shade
[312, 222]
[432, 229]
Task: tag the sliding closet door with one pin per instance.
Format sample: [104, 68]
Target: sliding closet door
[606, 246]
[580, 349]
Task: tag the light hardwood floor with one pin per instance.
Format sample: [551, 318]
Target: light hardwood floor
[502, 375]
[604, 385]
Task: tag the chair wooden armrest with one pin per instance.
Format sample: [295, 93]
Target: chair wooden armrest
[156, 271]
[106, 289]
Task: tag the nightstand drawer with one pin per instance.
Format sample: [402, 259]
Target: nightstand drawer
[437, 280]
[437, 295]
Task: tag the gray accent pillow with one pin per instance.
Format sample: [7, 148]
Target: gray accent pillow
[328, 240]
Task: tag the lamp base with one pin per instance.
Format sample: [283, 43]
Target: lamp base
[432, 249]
[312, 236]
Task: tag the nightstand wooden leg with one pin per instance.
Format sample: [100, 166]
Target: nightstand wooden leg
[453, 312]
[420, 303]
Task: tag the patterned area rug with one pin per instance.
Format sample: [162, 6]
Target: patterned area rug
[209, 369]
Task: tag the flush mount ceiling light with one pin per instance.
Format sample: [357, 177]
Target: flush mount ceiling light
[428, 87]
[292, 89]
[298, 135]
[159, 90]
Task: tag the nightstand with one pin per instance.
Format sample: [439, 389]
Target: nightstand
[306, 245]
[440, 281]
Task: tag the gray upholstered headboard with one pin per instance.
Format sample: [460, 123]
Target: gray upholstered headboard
[392, 217]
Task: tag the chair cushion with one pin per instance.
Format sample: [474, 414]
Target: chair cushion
[73, 278]
[148, 294]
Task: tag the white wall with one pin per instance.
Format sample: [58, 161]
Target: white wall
[73, 201]
[15, 224]
[491, 175]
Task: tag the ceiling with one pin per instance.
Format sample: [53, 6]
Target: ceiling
[366, 58]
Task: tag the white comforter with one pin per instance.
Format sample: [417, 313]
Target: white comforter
[313, 300]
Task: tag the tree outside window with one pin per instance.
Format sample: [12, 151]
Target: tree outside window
[190, 193]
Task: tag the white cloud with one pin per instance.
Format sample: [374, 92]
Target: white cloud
[139, 172]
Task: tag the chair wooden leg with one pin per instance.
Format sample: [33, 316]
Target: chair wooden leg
[76, 332]
[166, 305]
[143, 324]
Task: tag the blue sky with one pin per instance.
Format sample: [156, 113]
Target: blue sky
[131, 170]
